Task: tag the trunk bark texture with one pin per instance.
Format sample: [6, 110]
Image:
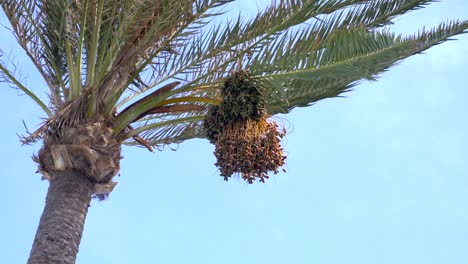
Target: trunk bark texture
[61, 226]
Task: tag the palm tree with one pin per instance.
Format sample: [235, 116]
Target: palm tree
[146, 73]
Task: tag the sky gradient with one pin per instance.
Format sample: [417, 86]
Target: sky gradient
[378, 177]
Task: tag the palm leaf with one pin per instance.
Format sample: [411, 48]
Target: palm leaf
[7, 76]
[348, 56]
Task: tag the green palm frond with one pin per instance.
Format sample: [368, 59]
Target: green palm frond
[168, 32]
[7, 76]
[171, 130]
[24, 18]
[348, 56]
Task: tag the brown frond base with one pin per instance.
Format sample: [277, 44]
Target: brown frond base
[89, 148]
[250, 149]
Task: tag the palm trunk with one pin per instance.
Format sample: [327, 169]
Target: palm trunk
[61, 226]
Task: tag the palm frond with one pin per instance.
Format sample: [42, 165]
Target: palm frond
[8, 76]
[348, 56]
[173, 26]
[25, 19]
[169, 129]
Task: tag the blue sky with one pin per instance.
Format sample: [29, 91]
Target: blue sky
[378, 177]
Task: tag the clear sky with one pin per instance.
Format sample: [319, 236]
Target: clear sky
[378, 177]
